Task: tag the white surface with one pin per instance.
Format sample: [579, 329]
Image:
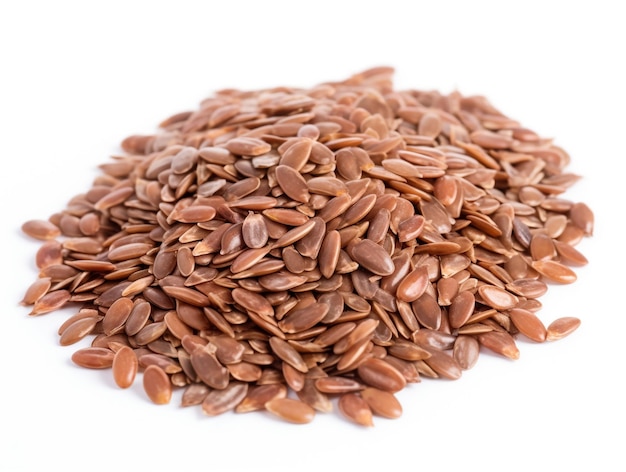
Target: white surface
[78, 77]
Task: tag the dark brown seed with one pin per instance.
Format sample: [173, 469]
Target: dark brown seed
[157, 385]
[292, 183]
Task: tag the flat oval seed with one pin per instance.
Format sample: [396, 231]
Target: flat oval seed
[373, 257]
[157, 385]
[93, 358]
[220, 401]
[497, 298]
[528, 324]
[41, 229]
[461, 308]
[78, 330]
[562, 327]
[353, 407]
[413, 285]
[380, 374]
[125, 366]
[382, 403]
[116, 316]
[293, 411]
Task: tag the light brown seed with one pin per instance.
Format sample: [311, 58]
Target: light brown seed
[500, 342]
[116, 316]
[36, 290]
[461, 309]
[497, 297]
[287, 353]
[41, 229]
[329, 253]
[217, 402]
[78, 330]
[293, 411]
[562, 327]
[382, 403]
[257, 397]
[353, 407]
[379, 374]
[209, 369]
[413, 285]
[465, 351]
[157, 385]
[125, 366]
[373, 257]
[51, 301]
[93, 358]
[254, 231]
[528, 324]
[292, 183]
[555, 271]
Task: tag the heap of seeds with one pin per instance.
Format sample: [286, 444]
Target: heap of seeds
[276, 249]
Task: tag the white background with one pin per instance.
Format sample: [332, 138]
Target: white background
[77, 77]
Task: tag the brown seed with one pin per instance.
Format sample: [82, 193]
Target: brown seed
[465, 351]
[125, 366]
[382, 403]
[209, 369]
[292, 183]
[461, 308]
[379, 374]
[220, 401]
[373, 257]
[51, 301]
[528, 324]
[500, 342]
[329, 253]
[93, 358]
[497, 297]
[413, 285]
[291, 410]
[555, 272]
[257, 397]
[36, 290]
[254, 231]
[41, 229]
[562, 327]
[185, 261]
[157, 385]
[78, 330]
[116, 316]
[353, 407]
[194, 394]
